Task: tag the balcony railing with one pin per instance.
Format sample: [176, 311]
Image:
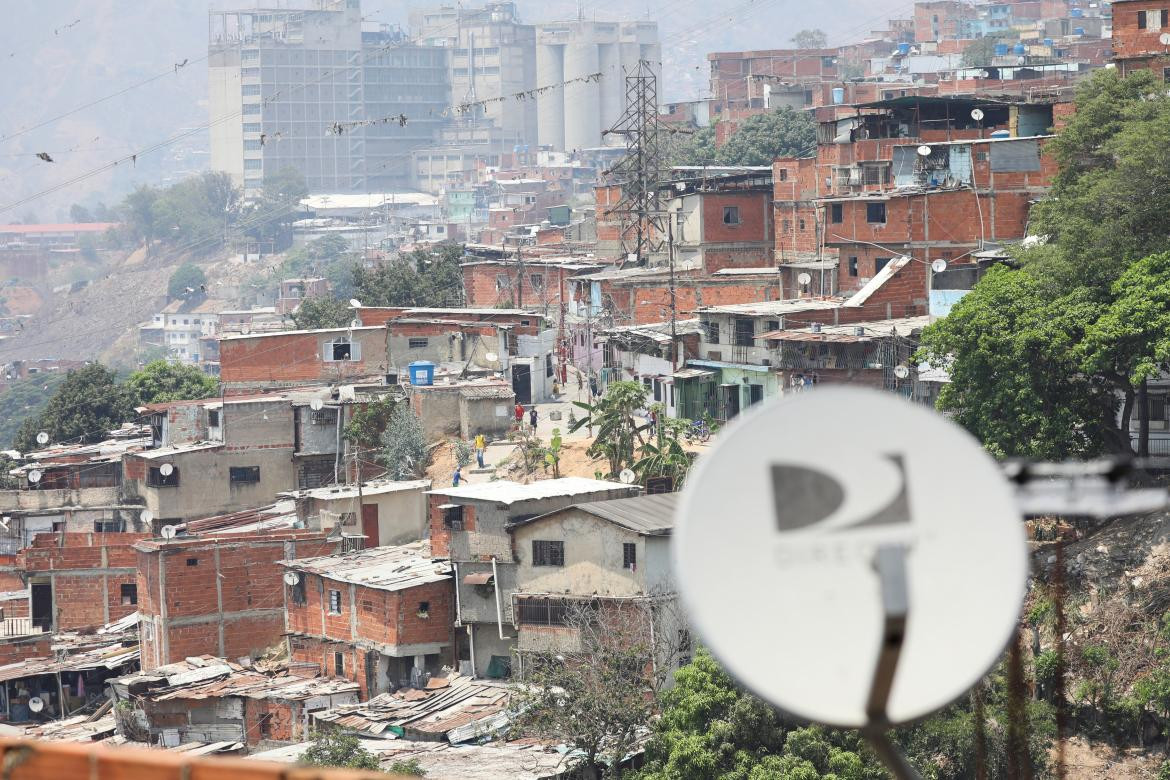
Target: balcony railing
[19, 626]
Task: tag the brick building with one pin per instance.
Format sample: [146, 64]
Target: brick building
[1138, 27]
[937, 20]
[725, 222]
[293, 291]
[301, 357]
[738, 78]
[536, 283]
[79, 580]
[221, 595]
[381, 617]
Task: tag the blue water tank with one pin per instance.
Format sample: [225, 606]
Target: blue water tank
[1001, 134]
[1020, 48]
[903, 48]
[1078, 31]
[1001, 49]
[838, 95]
[422, 372]
[1076, 13]
[1047, 41]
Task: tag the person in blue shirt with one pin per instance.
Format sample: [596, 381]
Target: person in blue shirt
[457, 476]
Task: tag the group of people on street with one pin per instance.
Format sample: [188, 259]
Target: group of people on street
[480, 445]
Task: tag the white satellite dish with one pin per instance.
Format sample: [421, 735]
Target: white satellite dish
[901, 372]
[1164, 39]
[34, 476]
[491, 357]
[804, 278]
[924, 150]
[42, 438]
[291, 578]
[166, 469]
[938, 266]
[354, 302]
[355, 323]
[627, 476]
[36, 704]
[168, 531]
[894, 549]
[977, 114]
[316, 404]
[146, 515]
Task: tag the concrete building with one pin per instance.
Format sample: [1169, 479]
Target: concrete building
[573, 116]
[293, 291]
[183, 327]
[391, 512]
[1138, 26]
[295, 88]
[382, 617]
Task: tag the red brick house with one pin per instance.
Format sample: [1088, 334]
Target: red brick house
[380, 617]
[1138, 27]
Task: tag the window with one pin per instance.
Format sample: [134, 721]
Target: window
[129, 593]
[155, 477]
[336, 351]
[424, 608]
[453, 518]
[1166, 75]
[783, 174]
[296, 593]
[264, 724]
[731, 215]
[801, 223]
[1157, 406]
[548, 364]
[853, 266]
[875, 212]
[107, 526]
[213, 418]
[537, 281]
[417, 343]
[630, 556]
[323, 417]
[771, 325]
[244, 474]
[879, 263]
[712, 332]
[334, 602]
[542, 612]
[339, 664]
[192, 561]
[548, 553]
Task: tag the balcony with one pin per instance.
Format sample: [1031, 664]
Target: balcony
[19, 626]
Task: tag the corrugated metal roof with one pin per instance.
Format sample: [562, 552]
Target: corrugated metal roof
[647, 515]
[110, 656]
[384, 568]
[207, 677]
[507, 492]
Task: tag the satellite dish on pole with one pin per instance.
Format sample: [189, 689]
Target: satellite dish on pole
[34, 476]
[146, 516]
[166, 469]
[291, 578]
[804, 278]
[491, 357]
[938, 266]
[42, 438]
[977, 114]
[316, 404]
[354, 302]
[627, 476]
[901, 372]
[168, 531]
[36, 704]
[863, 560]
[1164, 39]
[924, 150]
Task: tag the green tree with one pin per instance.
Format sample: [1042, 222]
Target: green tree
[762, 138]
[196, 213]
[664, 455]
[188, 281]
[421, 278]
[981, 50]
[697, 148]
[138, 215]
[335, 748]
[270, 217]
[619, 430]
[322, 312]
[86, 406]
[404, 445]
[23, 400]
[810, 39]
[79, 213]
[161, 380]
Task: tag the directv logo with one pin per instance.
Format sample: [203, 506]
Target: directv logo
[805, 497]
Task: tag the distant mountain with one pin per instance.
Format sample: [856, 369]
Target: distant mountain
[61, 54]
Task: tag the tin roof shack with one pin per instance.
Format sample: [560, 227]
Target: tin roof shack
[302, 357]
[1137, 31]
[865, 353]
[208, 699]
[219, 594]
[80, 579]
[391, 512]
[644, 353]
[68, 680]
[469, 525]
[465, 409]
[381, 617]
[601, 557]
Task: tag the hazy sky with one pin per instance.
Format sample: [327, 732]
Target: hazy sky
[58, 55]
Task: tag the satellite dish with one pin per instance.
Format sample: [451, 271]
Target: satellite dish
[34, 476]
[42, 438]
[977, 114]
[4, 521]
[355, 323]
[146, 515]
[627, 476]
[168, 531]
[316, 404]
[852, 541]
[491, 357]
[938, 266]
[166, 469]
[924, 150]
[291, 578]
[804, 278]
[901, 372]
[354, 302]
[36, 704]
[1164, 39]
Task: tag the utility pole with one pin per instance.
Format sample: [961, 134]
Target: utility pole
[519, 277]
[673, 301]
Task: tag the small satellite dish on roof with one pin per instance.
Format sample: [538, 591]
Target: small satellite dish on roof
[146, 515]
[491, 357]
[166, 469]
[36, 704]
[34, 476]
[977, 114]
[42, 438]
[804, 278]
[938, 266]
[168, 531]
[354, 302]
[316, 404]
[924, 150]
[355, 323]
[1164, 39]
[291, 578]
[627, 476]
[901, 372]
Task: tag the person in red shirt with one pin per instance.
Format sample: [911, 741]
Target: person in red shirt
[519, 414]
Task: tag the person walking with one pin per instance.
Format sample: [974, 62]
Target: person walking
[480, 446]
[457, 477]
[519, 415]
[532, 417]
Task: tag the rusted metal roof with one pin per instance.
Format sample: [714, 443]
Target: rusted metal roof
[478, 578]
[384, 568]
[108, 656]
[207, 677]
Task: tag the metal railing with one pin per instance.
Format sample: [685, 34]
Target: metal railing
[19, 626]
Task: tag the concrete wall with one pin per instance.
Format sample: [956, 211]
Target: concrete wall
[490, 416]
[314, 438]
[224, 99]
